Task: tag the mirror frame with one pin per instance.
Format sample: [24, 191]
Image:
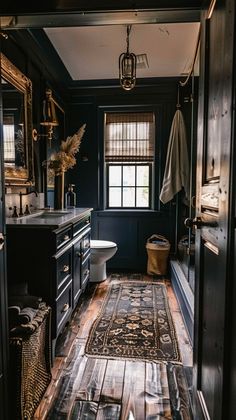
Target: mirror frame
[20, 176]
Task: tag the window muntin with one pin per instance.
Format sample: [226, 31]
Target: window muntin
[128, 185]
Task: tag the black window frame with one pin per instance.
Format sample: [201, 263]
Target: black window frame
[161, 127]
[149, 163]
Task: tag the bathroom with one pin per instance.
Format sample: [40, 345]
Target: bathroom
[90, 102]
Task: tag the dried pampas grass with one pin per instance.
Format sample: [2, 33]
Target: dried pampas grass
[64, 159]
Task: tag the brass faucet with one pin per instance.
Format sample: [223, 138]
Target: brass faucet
[21, 194]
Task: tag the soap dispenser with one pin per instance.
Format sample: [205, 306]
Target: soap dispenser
[70, 196]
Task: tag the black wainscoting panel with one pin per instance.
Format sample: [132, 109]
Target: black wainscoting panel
[130, 230]
[123, 231]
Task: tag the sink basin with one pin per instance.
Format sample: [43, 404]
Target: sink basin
[53, 213]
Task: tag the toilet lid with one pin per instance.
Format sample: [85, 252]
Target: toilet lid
[101, 244]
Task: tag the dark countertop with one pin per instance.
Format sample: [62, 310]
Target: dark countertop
[52, 219]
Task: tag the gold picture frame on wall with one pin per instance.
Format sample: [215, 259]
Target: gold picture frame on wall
[17, 125]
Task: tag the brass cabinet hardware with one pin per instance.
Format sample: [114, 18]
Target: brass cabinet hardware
[65, 307]
[66, 237]
[65, 268]
[79, 254]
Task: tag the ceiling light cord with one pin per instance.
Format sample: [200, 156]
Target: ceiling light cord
[127, 37]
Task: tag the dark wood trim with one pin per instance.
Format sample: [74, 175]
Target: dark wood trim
[198, 276]
[93, 12]
[228, 179]
[65, 5]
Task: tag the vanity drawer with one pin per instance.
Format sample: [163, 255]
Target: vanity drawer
[86, 243]
[63, 269]
[81, 225]
[63, 307]
[63, 237]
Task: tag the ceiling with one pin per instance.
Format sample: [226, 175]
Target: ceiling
[92, 52]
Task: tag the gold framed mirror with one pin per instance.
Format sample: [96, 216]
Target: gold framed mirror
[17, 125]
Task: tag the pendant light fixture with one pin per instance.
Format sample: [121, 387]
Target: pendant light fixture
[127, 66]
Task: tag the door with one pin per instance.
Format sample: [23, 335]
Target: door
[3, 287]
[213, 209]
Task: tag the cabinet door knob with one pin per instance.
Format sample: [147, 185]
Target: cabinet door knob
[65, 268]
[65, 307]
[66, 237]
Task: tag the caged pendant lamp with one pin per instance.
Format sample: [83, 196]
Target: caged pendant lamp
[49, 113]
[127, 66]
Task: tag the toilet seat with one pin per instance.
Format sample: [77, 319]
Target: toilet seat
[96, 244]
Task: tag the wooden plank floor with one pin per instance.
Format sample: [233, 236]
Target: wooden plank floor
[91, 388]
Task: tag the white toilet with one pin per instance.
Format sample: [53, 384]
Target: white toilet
[101, 251]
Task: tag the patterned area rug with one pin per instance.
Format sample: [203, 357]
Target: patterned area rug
[134, 322]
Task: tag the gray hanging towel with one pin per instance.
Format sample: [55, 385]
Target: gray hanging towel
[176, 173]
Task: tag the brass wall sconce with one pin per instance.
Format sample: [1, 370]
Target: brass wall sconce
[49, 114]
[49, 117]
[127, 66]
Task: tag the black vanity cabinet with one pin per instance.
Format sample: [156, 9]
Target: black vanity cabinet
[53, 258]
[61, 288]
[81, 259]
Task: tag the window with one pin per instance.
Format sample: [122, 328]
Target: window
[129, 156]
[9, 139]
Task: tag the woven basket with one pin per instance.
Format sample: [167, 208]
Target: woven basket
[158, 248]
[30, 366]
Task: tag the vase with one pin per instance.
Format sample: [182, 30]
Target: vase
[59, 191]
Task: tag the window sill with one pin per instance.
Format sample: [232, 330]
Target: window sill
[127, 212]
